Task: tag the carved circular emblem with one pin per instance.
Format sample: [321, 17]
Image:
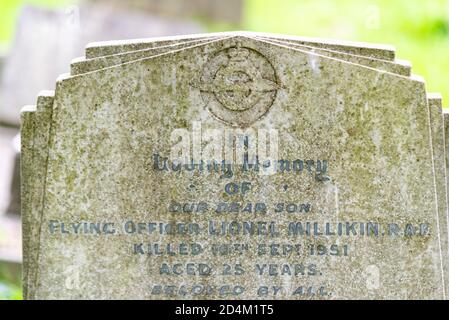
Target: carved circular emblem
[238, 85]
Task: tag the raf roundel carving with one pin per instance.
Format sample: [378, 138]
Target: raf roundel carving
[238, 85]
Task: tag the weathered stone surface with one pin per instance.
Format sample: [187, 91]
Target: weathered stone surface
[438, 152]
[81, 65]
[44, 107]
[27, 136]
[399, 67]
[90, 64]
[373, 133]
[402, 68]
[446, 147]
[98, 49]
[31, 215]
[108, 48]
[87, 65]
[377, 51]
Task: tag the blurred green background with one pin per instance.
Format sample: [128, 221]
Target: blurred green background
[419, 29]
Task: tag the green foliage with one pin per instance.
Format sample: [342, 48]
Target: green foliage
[9, 291]
[419, 29]
[9, 10]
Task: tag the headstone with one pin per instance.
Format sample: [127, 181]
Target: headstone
[446, 146]
[83, 65]
[242, 166]
[439, 159]
[56, 36]
[384, 52]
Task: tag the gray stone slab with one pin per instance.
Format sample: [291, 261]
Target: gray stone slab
[27, 138]
[439, 160]
[375, 181]
[91, 64]
[44, 107]
[31, 215]
[446, 145]
[82, 65]
[402, 69]
[399, 67]
[98, 49]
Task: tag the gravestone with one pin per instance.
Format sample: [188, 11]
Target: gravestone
[235, 166]
[446, 145]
